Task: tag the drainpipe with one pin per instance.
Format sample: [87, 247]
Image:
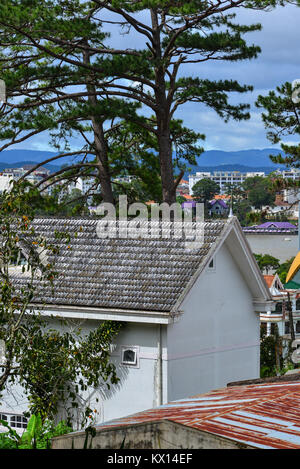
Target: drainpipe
[159, 390]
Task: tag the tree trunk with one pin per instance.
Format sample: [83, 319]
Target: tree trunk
[102, 161]
[163, 118]
[166, 169]
[100, 144]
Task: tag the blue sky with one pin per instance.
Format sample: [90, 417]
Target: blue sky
[278, 62]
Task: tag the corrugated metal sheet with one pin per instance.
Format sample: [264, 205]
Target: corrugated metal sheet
[260, 415]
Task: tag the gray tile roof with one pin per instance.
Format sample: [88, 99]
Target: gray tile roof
[134, 274]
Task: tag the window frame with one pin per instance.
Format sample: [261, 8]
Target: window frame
[136, 350]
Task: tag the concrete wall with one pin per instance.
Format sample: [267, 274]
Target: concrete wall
[155, 435]
[281, 246]
[217, 339]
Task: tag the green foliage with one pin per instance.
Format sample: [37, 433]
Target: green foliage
[275, 357]
[205, 190]
[259, 191]
[76, 84]
[36, 436]
[281, 119]
[29, 437]
[58, 366]
[267, 262]
[283, 269]
[255, 192]
[271, 359]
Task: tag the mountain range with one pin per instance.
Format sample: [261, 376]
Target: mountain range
[243, 160]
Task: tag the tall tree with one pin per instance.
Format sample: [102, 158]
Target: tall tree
[281, 117]
[259, 191]
[63, 44]
[175, 35]
[267, 262]
[205, 190]
[54, 89]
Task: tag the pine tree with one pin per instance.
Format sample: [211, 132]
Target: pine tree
[281, 117]
[59, 55]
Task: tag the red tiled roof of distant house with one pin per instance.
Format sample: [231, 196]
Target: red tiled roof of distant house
[269, 280]
[222, 196]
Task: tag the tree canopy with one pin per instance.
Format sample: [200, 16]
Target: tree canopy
[266, 262]
[259, 191]
[64, 76]
[205, 190]
[282, 119]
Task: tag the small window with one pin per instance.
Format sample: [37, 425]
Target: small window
[298, 327]
[18, 421]
[15, 421]
[3, 417]
[130, 356]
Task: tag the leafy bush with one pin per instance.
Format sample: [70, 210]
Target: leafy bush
[37, 435]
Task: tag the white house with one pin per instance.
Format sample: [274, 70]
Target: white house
[191, 316]
[283, 297]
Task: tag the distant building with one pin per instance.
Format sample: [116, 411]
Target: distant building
[282, 295]
[272, 226]
[292, 173]
[218, 207]
[279, 239]
[222, 178]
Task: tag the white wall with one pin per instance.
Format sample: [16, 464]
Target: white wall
[137, 389]
[282, 246]
[217, 339]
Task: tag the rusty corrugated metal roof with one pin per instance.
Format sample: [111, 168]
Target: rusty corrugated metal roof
[260, 415]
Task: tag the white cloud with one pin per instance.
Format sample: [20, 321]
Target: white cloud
[278, 63]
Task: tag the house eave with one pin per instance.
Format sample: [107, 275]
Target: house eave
[94, 313]
[263, 306]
